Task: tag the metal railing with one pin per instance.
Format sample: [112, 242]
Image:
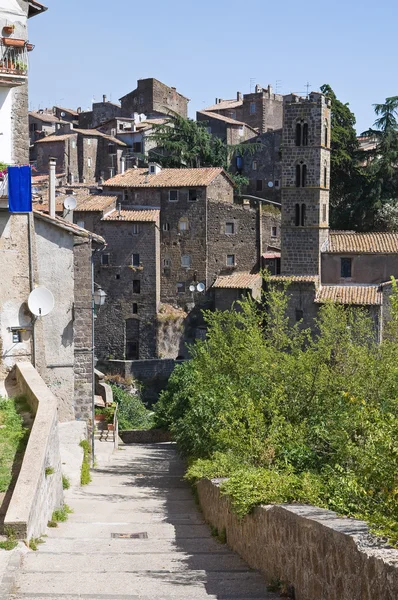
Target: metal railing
[13, 61]
[4, 186]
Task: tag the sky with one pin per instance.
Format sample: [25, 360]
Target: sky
[214, 48]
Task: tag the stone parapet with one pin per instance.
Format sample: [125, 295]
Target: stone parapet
[323, 556]
[37, 494]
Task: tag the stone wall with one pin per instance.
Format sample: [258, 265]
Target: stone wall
[20, 125]
[82, 329]
[264, 167]
[365, 268]
[36, 495]
[152, 98]
[322, 556]
[153, 374]
[145, 436]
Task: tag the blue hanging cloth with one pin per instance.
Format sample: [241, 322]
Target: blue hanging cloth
[19, 189]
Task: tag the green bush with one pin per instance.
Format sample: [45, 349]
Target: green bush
[290, 416]
[132, 412]
[13, 439]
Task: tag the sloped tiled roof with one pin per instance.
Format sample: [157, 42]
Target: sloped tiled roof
[361, 295]
[138, 216]
[225, 105]
[55, 138]
[68, 226]
[347, 242]
[165, 178]
[221, 118]
[45, 117]
[239, 281]
[94, 202]
[87, 132]
[295, 278]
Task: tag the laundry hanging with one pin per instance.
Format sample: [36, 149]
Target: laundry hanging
[19, 189]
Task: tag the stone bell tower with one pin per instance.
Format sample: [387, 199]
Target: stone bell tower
[305, 183]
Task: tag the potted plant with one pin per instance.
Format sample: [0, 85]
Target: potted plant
[13, 42]
[99, 415]
[8, 29]
[29, 47]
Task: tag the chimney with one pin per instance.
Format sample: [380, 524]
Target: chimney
[52, 163]
[122, 165]
[79, 110]
[104, 98]
[239, 96]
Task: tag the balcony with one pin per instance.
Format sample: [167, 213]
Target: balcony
[4, 186]
[13, 62]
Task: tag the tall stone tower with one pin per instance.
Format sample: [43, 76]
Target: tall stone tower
[305, 183]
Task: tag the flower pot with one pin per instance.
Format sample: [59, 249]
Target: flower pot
[111, 427]
[100, 417]
[8, 29]
[13, 42]
[29, 47]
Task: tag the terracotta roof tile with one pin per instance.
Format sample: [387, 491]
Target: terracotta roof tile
[225, 105]
[93, 202]
[87, 132]
[68, 226]
[55, 138]
[361, 295]
[168, 178]
[221, 118]
[295, 278]
[238, 281]
[138, 216]
[46, 117]
[347, 242]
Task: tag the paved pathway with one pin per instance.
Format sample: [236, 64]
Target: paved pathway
[170, 556]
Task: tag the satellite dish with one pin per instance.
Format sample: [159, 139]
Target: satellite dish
[70, 203]
[62, 114]
[41, 302]
[201, 287]
[192, 288]
[270, 184]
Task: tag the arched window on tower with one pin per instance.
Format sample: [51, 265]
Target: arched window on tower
[305, 134]
[297, 215]
[298, 134]
[303, 175]
[326, 133]
[325, 175]
[302, 220]
[298, 175]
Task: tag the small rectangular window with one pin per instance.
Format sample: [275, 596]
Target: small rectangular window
[137, 147]
[89, 162]
[125, 195]
[166, 226]
[259, 185]
[183, 225]
[88, 142]
[252, 108]
[180, 287]
[136, 286]
[173, 195]
[186, 261]
[230, 260]
[254, 165]
[299, 314]
[192, 195]
[105, 259]
[80, 224]
[135, 308]
[274, 232]
[136, 260]
[229, 227]
[277, 183]
[135, 228]
[166, 262]
[111, 149]
[346, 267]
[73, 144]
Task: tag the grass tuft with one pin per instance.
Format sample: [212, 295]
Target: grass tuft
[61, 514]
[85, 476]
[65, 482]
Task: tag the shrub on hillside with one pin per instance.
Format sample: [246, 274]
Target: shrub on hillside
[132, 412]
[290, 416]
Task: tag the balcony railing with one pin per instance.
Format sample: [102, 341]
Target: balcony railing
[4, 186]
[13, 64]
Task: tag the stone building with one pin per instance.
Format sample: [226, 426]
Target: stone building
[353, 269]
[230, 131]
[154, 99]
[84, 155]
[100, 113]
[171, 230]
[262, 110]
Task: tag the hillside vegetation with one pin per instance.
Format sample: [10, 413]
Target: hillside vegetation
[290, 417]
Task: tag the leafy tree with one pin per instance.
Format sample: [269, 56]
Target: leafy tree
[183, 143]
[347, 177]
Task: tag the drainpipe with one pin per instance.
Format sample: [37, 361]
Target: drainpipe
[52, 163]
[32, 281]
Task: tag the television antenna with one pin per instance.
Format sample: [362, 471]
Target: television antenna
[278, 86]
[41, 302]
[252, 82]
[308, 87]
